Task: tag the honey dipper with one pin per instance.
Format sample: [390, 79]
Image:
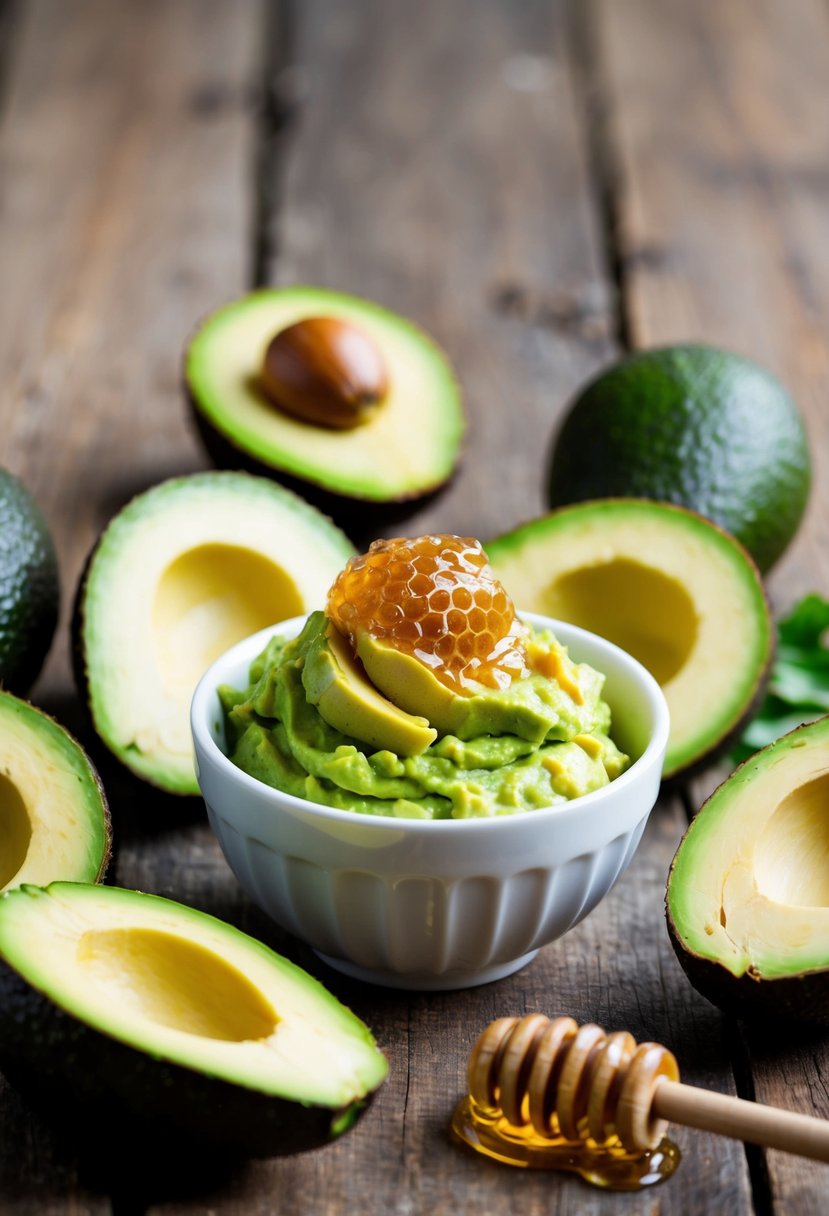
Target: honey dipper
[553, 1094]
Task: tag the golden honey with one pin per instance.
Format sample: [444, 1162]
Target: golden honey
[436, 598]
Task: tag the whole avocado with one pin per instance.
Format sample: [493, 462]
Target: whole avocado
[29, 587]
[694, 426]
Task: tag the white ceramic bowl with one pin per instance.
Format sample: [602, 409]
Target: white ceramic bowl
[424, 904]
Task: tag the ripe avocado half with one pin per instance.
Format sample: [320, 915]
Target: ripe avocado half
[671, 588]
[748, 891]
[145, 1010]
[696, 426]
[54, 819]
[186, 570]
[29, 588]
[407, 449]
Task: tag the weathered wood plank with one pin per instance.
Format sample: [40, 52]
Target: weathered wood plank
[437, 162]
[126, 157]
[719, 153]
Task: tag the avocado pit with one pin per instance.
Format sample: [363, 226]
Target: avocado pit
[325, 371]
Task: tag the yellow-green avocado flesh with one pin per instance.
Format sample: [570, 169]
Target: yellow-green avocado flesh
[348, 701]
[148, 1008]
[408, 448]
[182, 573]
[54, 819]
[276, 734]
[748, 891]
[671, 588]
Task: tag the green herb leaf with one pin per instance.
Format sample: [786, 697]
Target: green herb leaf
[798, 690]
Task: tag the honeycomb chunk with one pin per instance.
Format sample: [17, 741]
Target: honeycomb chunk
[437, 598]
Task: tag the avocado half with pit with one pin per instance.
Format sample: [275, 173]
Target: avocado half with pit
[54, 819]
[185, 571]
[671, 588]
[405, 446]
[748, 891]
[148, 1012]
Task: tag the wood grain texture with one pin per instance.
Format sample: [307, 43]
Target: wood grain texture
[718, 156]
[126, 160]
[445, 173]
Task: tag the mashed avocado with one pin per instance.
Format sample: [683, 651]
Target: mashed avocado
[275, 734]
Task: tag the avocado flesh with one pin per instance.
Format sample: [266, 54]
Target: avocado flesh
[152, 986]
[407, 448]
[349, 702]
[749, 886]
[181, 574]
[664, 584]
[54, 821]
[522, 709]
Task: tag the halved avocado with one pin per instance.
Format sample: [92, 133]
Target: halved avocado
[671, 588]
[748, 891]
[181, 574]
[144, 1010]
[408, 446]
[335, 682]
[54, 819]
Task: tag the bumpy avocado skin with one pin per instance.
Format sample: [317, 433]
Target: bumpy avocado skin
[29, 587]
[697, 427]
[121, 1092]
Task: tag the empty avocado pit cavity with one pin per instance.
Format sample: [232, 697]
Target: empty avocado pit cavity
[645, 611]
[748, 892]
[15, 831]
[160, 1021]
[174, 982]
[185, 571]
[666, 585]
[54, 819]
[791, 857]
[209, 598]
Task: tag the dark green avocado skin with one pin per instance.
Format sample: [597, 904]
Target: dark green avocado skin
[72, 1072]
[799, 999]
[29, 587]
[694, 426]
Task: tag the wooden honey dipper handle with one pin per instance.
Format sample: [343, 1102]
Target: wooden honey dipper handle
[741, 1120]
[579, 1081]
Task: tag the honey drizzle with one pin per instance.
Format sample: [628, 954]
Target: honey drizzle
[552, 1095]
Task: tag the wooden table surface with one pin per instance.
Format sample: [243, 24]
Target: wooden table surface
[542, 185]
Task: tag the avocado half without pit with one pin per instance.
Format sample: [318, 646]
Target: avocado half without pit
[666, 585]
[181, 574]
[54, 819]
[148, 1013]
[327, 390]
[748, 891]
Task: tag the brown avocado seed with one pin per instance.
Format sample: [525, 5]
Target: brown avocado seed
[325, 371]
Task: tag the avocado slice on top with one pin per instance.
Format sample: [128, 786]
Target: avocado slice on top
[405, 446]
[141, 1010]
[748, 891]
[54, 819]
[671, 588]
[185, 571]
